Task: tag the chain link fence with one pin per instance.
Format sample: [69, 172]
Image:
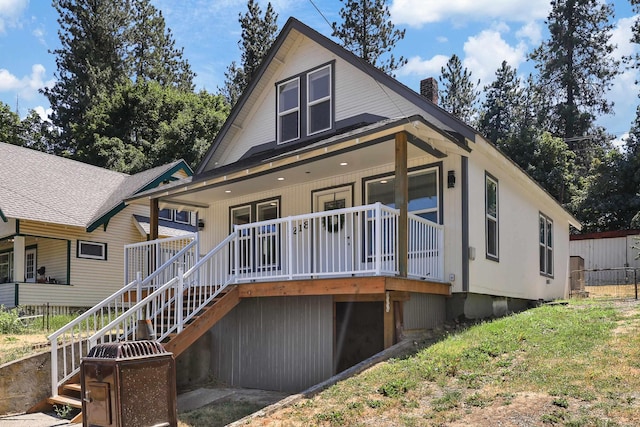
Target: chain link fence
[621, 282]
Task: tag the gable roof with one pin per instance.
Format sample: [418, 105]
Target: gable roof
[438, 116]
[42, 187]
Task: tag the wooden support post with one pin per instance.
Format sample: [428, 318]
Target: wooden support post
[154, 211]
[402, 200]
[389, 324]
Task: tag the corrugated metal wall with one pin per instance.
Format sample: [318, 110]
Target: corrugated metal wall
[283, 343]
[424, 311]
[606, 253]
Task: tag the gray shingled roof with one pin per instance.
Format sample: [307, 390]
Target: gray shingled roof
[42, 187]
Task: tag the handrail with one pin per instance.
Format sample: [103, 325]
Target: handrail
[168, 303]
[72, 339]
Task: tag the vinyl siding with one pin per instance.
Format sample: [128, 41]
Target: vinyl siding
[353, 89]
[517, 273]
[283, 344]
[91, 280]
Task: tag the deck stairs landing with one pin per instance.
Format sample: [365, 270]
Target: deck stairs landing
[69, 394]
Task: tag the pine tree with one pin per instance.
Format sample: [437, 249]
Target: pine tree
[9, 125]
[258, 34]
[107, 46]
[576, 66]
[367, 31]
[500, 109]
[458, 93]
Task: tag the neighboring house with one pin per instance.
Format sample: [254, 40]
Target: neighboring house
[63, 227]
[608, 257]
[341, 210]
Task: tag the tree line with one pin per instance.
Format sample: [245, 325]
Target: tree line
[124, 96]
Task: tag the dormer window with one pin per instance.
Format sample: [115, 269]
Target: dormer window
[305, 104]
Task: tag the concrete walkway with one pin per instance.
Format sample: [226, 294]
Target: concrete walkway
[186, 402]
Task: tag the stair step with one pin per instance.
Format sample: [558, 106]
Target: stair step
[65, 400]
[73, 387]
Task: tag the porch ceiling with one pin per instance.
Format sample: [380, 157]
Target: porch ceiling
[312, 163]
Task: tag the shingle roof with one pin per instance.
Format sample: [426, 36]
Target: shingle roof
[43, 187]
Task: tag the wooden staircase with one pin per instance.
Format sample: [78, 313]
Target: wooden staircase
[69, 394]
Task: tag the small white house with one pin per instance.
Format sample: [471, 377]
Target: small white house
[351, 209]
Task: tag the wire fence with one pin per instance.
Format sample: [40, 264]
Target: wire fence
[621, 282]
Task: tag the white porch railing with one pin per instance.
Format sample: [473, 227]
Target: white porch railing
[146, 257]
[71, 342]
[361, 240]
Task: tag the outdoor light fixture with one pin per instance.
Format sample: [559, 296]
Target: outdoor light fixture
[200, 224]
[451, 179]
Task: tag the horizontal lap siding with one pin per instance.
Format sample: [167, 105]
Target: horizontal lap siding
[91, 280]
[7, 294]
[283, 344]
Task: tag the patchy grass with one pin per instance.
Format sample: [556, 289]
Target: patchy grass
[565, 365]
[24, 337]
[217, 414]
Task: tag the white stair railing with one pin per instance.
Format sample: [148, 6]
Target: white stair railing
[170, 306]
[145, 257]
[426, 248]
[71, 342]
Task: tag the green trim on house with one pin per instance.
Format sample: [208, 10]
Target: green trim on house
[17, 226]
[2, 217]
[167, 175]
[69, 261]
[16, 295]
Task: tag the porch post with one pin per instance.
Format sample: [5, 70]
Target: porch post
[18, 259]
[153, 219]
[401, 201]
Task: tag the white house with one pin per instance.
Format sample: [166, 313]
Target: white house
[340, 210]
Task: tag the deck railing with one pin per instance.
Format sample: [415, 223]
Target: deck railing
[361, 240]
[146, 257]
[71, 342]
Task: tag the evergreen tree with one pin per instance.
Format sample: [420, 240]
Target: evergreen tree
[107, 44]
[258, 34]
[576, 66]
[500, 109]
[367, 31]
[458, 94]
[9, 125]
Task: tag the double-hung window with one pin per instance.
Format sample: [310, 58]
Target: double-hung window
[304, 104]
[546, 245]
[289, 110]
[491, 217]
[319, 100]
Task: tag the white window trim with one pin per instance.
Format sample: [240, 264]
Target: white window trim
[289, 111]
[163, 218]
[175, 217]
[489, 217]
[319, 101]
[546, 270]
[88, 256]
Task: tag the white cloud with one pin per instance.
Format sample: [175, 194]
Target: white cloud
[419, 12]
[532, 32]
[485, 52]
[423, 67]
[43, 112]
[10, 12]
[26, 86]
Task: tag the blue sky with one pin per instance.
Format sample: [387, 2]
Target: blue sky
[481, 32]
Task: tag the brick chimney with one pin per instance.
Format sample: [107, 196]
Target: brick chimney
[429, 89]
